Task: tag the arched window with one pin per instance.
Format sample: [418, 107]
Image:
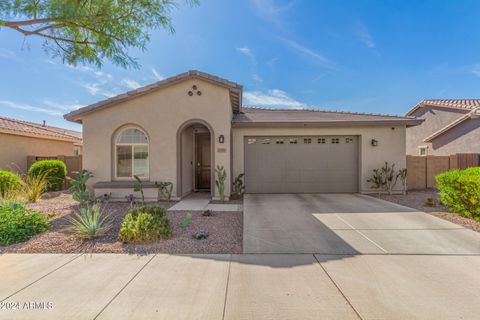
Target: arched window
[131, 154]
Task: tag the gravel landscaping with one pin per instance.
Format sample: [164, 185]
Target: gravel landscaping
[416, 199]
[224, 231]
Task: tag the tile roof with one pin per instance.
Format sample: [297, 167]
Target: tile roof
[21, 127]
[465, 104]
[235, 92]
[252, 116]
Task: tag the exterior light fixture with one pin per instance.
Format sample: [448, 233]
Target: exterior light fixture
[374, 143]
[221, 139]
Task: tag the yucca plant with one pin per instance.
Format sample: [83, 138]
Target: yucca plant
[33, 186]
[90, 222]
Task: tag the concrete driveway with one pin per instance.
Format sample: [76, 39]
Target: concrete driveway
[347, 224]
[250, 286]
[368, 259]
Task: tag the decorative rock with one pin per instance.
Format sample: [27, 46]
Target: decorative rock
[201, 235]
[207, 213]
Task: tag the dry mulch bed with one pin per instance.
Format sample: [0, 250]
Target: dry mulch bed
[416, 199]
[224, 228]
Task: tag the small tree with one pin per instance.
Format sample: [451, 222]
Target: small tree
[89, 31]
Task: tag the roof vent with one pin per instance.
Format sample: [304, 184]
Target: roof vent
[44, 123]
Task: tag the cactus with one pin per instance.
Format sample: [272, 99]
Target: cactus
[238, 186]
[165, 189]
[385, 178]
[220, 181]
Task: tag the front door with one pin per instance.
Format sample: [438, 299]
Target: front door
[202, 161]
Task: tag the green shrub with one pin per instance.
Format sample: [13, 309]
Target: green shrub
[9, 181]
[447, 185]
[144, 224]
[56, 173]
[18, 224]
[469, 196]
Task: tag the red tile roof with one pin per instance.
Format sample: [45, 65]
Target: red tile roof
[465, 104]
[20, 127]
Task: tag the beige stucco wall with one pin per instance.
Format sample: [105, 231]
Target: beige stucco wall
[436, 118]
[160, 114]
[14, 150]
[391, 146]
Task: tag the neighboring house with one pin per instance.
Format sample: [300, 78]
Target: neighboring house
[181, 128]
[449, 127]
[19, 139]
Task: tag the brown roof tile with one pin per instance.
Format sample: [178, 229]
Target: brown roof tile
[21, 127]
[254, 116]
[465, 104]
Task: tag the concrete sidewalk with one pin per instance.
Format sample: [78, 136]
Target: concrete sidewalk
[256, 286]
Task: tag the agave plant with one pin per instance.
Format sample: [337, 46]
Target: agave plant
[90, 222]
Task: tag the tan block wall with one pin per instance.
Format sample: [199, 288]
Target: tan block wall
[160, 114]
[14, 150]
[391, 146]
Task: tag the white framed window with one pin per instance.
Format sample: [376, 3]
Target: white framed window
[131, 154]
[423, 150]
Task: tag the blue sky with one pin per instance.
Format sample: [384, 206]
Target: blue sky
[368, 56]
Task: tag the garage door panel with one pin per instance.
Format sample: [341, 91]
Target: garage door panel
[301, 164]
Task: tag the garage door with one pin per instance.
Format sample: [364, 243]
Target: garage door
[301, 164]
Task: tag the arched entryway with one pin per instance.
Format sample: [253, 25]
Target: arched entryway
[195, 158]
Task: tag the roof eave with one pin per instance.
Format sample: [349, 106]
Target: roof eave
[234, 88]
[333, 123]
[436, 134]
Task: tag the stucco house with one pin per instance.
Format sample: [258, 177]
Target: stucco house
[179, 129]
[19, 139]
[449, 127]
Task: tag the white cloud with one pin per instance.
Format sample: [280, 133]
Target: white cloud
[324, 62]
[246, 51]
[27, 107]
[365, 36]
[65, 107]
[475, 69]
[95, 88]
[157, 74]
[271, 10]
[257, 78]
[131, 84]
[272, 98]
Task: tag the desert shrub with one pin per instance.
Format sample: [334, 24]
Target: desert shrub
[18, 224]
[447, 184]
[9, 181]
[90, 222]
[144, 224]
[469, 196]
[56, 173]
[33, 186]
